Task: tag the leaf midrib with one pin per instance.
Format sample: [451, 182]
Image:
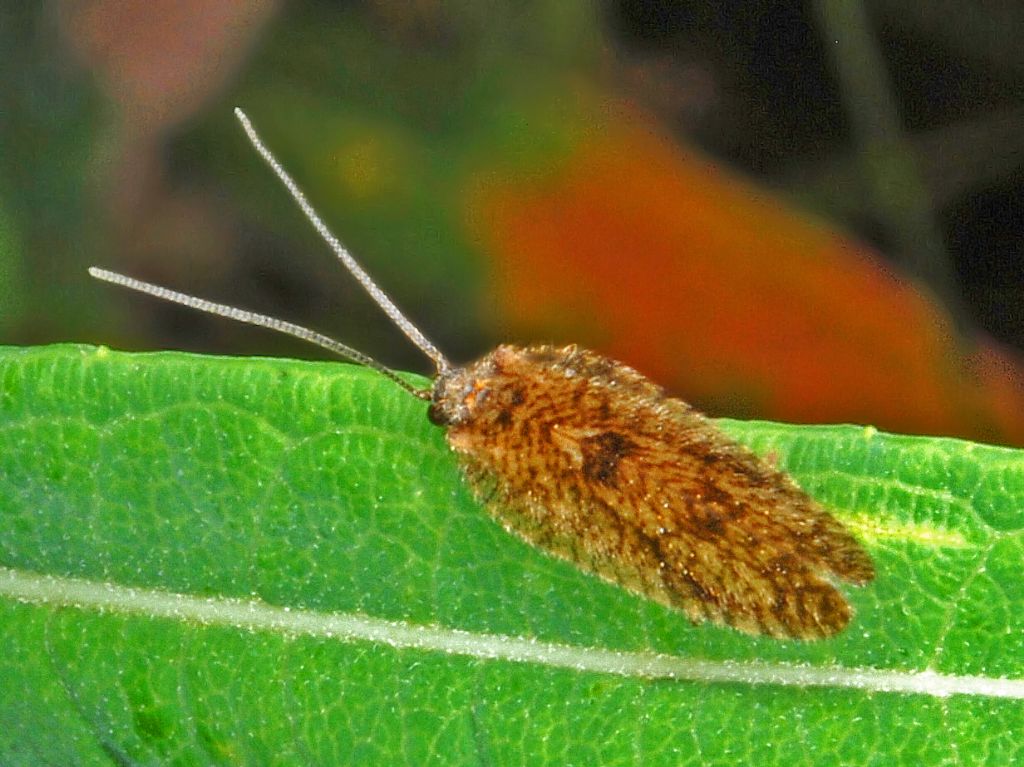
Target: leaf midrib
[83, 594]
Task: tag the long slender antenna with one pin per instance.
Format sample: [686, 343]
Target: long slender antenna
[404, 324]
[260, 320]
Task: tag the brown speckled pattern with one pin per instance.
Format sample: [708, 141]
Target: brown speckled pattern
[590, 461]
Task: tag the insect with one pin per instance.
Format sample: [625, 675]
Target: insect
[590, 461]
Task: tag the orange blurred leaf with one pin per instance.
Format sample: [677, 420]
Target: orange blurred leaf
[728, 296]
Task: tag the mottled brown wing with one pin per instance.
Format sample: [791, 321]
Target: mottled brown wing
[590, 461]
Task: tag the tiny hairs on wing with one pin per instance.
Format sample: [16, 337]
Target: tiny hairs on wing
[587, 459]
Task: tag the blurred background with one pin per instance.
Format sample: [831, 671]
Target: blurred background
[807, 212]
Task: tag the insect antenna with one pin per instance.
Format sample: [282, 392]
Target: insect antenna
[404, 324]
[260, 320]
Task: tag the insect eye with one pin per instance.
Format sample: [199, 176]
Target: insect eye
[437, 415]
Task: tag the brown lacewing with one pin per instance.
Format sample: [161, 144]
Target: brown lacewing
[590, 461]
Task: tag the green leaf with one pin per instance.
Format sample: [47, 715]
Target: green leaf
[253, 561]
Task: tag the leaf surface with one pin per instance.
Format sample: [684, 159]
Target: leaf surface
[253, 561]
